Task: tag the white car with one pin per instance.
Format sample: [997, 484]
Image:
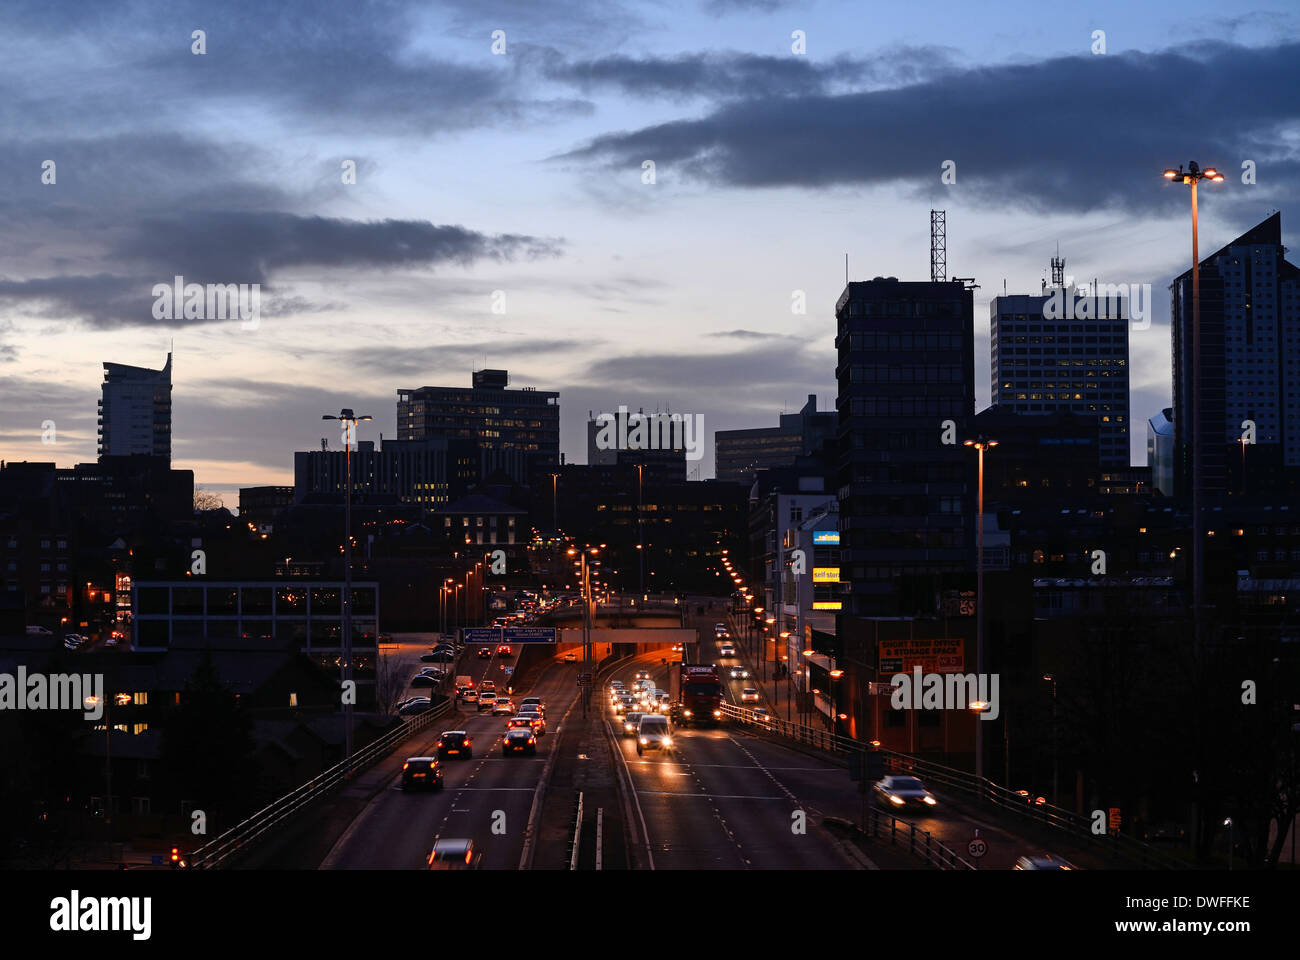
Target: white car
[486, 700]
[749, 695]
[652, 733]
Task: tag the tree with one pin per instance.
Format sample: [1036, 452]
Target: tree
[207, 500]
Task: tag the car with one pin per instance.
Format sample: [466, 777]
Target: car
[719, 628]
[486, 700]
[422, 772]
[643, 674]
[761, 715]
[431, 658]
[663, 698]
[470, 695]
[438, 672]
[897, 793]
[519, 740]
[739, 673]
[522, 722]
[536, 702]
[502, 707]
[570, 658]
[424, 680]
[624, 703]
[39, 631]
[73, 640]
[726, 650]
[455, 743]
[114, 638]
[749, 695]
[485, 653]
[488, 685]
[453, 854]
[630, 722]
[652, 733]
[1045, 862]
[413, 705]
[539, 721]
[503, 650]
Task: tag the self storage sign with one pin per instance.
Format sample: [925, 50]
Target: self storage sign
[932, 656]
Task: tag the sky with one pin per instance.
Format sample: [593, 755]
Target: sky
[502, 212]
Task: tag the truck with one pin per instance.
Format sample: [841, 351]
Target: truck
[699, 695]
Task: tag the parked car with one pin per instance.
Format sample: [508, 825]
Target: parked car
[424, 680]
[422, 772]
[1045, 862]
[39, 631]
[413, 705]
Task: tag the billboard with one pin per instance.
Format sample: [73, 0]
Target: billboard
[828, 605]
[826, 538]
[932, 656]
[826, 574]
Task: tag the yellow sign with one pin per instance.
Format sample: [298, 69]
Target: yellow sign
[826, 574]
[827, 605]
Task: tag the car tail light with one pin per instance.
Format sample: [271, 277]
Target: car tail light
[468, 853]
[405, 766]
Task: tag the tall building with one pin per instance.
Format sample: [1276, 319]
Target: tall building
[488, 412]
[1062, 352]
[1250, 363]
[906, 368]
[740, 454]
[135, 411]
[655, 441]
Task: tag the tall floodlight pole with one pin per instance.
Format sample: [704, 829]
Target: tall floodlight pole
[640, 527]
[349, 421]
[980, 444]
[1193, 176]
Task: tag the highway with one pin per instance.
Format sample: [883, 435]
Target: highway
[396, 828]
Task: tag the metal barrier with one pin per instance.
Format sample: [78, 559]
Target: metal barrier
[577, 834]
[1078, 826]
[933, 851]
[241, 836]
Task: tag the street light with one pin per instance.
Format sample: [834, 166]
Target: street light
[1056, 756]
[980, 443]
[1192, 177]
[350, 421]
[121, 699]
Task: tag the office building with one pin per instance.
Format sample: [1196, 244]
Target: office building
[740, 454]
[906, 395]
[135, 411]
[1250, 365]
[1064, 352]
[499, 419]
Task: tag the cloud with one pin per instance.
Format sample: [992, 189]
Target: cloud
[1070, 134]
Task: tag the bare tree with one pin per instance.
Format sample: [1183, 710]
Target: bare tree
[207, 500]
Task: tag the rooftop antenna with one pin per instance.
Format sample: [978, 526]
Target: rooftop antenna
[846, 269]
[938, 246]
[1058, 268]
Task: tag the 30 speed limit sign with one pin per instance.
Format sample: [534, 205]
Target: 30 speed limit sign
[977, 848]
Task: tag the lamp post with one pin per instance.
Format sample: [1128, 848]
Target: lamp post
[1192, 177]
[122, 699]
[1056, 756]
[585, 584]
[981, 443]
[640, 527]
[555, 505]
[349, 421]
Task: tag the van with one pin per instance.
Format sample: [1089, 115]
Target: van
[652, 733]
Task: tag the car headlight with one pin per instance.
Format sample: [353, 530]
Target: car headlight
[688, 713]
[897, 800]
[717, 713]
[930, 800]
[644, 741]
[668, 741]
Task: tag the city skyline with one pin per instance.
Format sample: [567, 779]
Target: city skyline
[674, 294]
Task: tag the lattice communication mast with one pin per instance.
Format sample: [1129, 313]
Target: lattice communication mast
[938, 246]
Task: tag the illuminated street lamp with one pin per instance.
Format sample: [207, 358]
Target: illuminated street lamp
[980, 443]
[1192, 177]
[350, 421]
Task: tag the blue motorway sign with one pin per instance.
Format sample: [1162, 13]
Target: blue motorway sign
[509, 634]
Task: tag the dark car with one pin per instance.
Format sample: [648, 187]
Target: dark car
[453, 854]
[422, 772]
[539, 721]
[896, 793]
[438, 656]
[424, 680]
[503, 650]
[519, 740]
[413, 706]
[1045, 862]
[522, 722]
[455, 743]
[484, 653]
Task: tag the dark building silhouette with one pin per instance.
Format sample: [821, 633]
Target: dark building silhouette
[135, 411]
[740, 454]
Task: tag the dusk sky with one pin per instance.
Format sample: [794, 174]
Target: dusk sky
[522, 172]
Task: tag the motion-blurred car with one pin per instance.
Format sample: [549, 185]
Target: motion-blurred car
[421, 772]
[484, 653]
[897, 793]
[539, 721]
[454, 854]
[749, 695]
[502, 707]
[630, 722]
[570, 658]
[413, 706]
[455, 743]
[1045, 862]
[519, 740]
[503, 650]
[739, 673]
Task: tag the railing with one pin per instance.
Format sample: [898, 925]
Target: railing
[933, 850]
[577, 834]
[240, 837]
[1078, 826]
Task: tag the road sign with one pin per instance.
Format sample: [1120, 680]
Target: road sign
[977, 847]
[509, 634]
[509, 671]
[1114, 818]
[584, 679]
